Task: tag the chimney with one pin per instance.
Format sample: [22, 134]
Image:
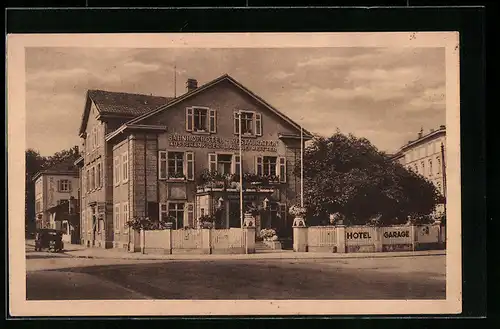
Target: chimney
[191, 84]
[421, 132]
[442, 127]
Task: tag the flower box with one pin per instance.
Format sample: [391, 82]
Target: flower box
[217, 189]
[251, 190]
[229, 189]
[275, 245]
[176, 179]
[269, 190]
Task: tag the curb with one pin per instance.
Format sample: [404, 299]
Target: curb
[297, 257]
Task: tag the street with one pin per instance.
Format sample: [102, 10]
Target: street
[58, 277]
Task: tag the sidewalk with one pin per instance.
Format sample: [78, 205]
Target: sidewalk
[82, 252]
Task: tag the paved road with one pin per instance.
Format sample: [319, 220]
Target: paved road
[56, 277]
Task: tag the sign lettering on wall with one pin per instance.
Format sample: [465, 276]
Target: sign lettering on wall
[358, 235]
[397, 234]
[214, 142]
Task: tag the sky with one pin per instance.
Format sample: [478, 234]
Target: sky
[383, 94]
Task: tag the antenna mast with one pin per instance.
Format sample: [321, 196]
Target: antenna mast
[175, 81]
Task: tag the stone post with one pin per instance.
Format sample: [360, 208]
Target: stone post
[299, 235]
[249, 234]
[413, 237]
[168, 245]
[340, 232]
[378, 239]
[206, 240]
[143, 241]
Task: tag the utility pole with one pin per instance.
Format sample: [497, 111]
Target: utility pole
[241, 170]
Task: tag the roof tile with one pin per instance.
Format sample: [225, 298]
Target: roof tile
[120, 103]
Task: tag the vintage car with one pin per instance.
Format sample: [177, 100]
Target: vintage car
[50, 239]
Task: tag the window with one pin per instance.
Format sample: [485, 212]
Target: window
[438, 169]
[62, 201]
[175, 164]
[416, 168]
[247, 123]
[38, 206]
[423, 167]
[172, 165]
[84, 222]
[117, 217]
[175, 210]
[201, 119]
[64, 185]
[99, 175]
[224, 163]
[92, 178]
[269, 166]
[125, 216]
[116, 172]
[430, 167]
[125, 167]
[251, 123]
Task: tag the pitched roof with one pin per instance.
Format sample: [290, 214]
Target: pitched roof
[65, 167]
[128, 105]
[224, 77]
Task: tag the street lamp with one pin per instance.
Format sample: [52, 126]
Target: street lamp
[241, 169]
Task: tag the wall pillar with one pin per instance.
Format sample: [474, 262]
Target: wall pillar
[378, 239]
[341, 244]
[249, 234]
[299, 235]
[206, 240]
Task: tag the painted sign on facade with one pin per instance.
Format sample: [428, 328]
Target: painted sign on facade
[214, 142]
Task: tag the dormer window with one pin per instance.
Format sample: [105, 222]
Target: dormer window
[201, 120]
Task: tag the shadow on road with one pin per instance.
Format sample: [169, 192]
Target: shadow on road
[260, 280]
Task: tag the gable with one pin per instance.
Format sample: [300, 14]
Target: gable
[225, 95]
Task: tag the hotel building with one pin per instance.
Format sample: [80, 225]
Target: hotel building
[148, 156]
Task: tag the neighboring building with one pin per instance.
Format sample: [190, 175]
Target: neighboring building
[56, 199]
[145, 156]
[426, 155]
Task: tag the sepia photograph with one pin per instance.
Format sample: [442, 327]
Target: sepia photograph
[234, 174]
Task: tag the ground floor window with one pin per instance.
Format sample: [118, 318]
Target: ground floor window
[174, 211]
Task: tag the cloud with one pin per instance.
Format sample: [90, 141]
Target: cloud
[279, 75]
[138, 67]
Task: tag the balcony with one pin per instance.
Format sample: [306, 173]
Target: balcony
[217, 182]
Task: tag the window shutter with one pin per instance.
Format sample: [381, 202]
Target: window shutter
[236, 123]
[212, 162]
[282, 169]
[258, 124]
[189, 119]
[190, 214]
[70, 188]
[59, 189]
[190, 165]
[213, 121]
[162, 166]
[258, 165]
[236, 164]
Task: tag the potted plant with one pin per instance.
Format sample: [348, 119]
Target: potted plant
[206, 221]
[176, 176]
[233, 183]
[299, 214]
[270, 238]
[251, 181]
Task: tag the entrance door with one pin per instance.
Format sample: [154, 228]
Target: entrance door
[234, 213]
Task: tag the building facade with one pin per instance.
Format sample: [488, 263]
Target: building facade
[56, 199]
[427, 156]
[179, 158]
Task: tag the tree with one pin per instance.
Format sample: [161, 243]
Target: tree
[349, 175]
[34, 163]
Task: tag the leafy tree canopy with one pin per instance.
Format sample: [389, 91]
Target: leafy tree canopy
[349, 175]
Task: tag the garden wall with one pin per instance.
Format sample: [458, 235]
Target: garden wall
[368, 238]
[199, 241]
